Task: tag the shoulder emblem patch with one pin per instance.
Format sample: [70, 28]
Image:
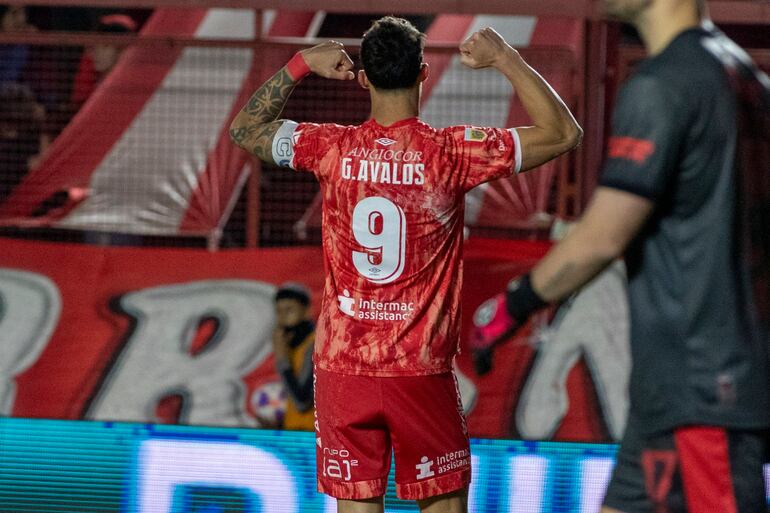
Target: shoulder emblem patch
[630, 148]
[475, 135]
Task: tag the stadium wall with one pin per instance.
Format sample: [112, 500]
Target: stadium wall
[183, 336]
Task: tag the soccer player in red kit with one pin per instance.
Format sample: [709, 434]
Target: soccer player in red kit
[393, 198]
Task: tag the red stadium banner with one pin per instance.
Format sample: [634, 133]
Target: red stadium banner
[183, 336]
[101, 162]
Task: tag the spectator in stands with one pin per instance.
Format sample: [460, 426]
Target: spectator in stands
[46, 69]
[293, 341]
[20, 123]
[13, 58]
[98, 61]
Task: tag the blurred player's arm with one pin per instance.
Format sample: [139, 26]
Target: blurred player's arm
[648, 130]
[256, 125]
[612, 220]
[649, 126]
[555, 129]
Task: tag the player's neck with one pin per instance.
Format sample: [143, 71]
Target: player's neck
[391, 107]
[660, 24]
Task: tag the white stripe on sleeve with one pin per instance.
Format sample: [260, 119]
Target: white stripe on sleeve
[517, 149]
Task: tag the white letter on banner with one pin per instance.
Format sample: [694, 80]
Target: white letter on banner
[593, 325]
[476, 484]
[156, 360]
[527, 478]
[30, 306]
[165, 465]
[594, 477]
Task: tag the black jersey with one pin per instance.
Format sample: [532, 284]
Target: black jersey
[690, 133]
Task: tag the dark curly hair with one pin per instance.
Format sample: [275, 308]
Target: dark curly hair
[391, 52]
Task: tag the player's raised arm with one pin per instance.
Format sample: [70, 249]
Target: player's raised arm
[256, 125]
[555, 130]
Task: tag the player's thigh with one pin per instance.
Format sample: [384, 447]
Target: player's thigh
[454, 502]
[353, 448]
[693, 469]
[430, 439]
[721, 469]
[374, 505]
[748, 450]
[644, 479]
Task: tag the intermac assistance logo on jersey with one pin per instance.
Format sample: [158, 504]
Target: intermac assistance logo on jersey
[373, 310]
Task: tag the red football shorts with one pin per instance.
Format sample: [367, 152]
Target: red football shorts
[359, 419]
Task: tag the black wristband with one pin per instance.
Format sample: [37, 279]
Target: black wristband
[522, 300]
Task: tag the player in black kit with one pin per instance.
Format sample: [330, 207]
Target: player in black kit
[685, 195]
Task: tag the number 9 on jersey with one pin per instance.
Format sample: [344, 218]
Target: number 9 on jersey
[379, 226]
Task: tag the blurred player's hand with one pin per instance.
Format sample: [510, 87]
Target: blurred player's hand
[498, 318]
[492, 324]
[329, 60]
[484, 48]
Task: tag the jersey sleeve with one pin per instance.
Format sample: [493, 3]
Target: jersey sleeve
[484, 154]
[310, 143]
[648, 130]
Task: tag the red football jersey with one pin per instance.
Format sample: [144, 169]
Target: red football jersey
[393, 208]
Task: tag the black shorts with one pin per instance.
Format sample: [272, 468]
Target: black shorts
[693, 469]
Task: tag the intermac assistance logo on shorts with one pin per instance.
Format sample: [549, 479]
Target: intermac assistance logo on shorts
[374, 310]
[449, 462]
[424, 469]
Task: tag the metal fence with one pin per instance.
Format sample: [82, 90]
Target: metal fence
[61, 72]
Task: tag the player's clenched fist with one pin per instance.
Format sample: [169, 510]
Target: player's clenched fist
[329, 60]
[484, 49]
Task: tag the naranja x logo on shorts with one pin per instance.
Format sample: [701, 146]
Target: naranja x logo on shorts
[338, 464]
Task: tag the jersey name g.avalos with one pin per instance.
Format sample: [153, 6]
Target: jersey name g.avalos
[393, 207]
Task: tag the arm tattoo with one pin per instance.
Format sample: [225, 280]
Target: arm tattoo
[268, 101]
[258, 139]
[254, 127]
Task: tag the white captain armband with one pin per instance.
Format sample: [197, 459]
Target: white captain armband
[283, 144]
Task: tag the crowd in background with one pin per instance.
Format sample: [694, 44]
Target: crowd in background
[43, 86]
